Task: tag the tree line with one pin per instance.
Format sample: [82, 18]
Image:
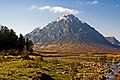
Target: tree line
[9, 40]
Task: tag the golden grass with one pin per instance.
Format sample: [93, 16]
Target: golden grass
[58, 66]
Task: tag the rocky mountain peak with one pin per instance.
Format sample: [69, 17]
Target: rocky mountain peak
[67, 17]
[68, 29]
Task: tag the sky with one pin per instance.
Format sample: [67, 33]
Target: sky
[23, 16]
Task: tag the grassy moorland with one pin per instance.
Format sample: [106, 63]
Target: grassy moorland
[58, 66]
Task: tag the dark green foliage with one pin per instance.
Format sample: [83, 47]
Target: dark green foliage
[4, 40]
[29, 45]
[13, 39]
[10, 41]
[21, 42]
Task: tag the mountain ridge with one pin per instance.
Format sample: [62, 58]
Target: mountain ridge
[65, 30]
[113, 40]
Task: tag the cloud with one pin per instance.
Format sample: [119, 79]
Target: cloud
[32, 7]
[82, 12]
[54, 9]
[79, 2]
[117, 5]
[93, 2]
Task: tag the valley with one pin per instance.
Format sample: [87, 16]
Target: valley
[65, 49]
[59, 39]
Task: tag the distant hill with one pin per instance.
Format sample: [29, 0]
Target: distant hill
[113, 40]
[69, 34]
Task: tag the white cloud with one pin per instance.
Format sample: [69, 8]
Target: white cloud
[79, 2]
[82, 12]
[117, 5]
[93, 2]
[32, 7]
[55, 9]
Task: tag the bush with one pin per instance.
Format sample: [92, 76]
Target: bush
[2, 58]
[13, 52]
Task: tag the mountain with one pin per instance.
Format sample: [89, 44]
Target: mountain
[113, 40]
[69, 34]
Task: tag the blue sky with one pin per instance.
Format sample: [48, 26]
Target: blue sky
[25, 15]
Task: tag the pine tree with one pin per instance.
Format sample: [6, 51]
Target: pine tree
[12, 39]
[29, 45]
[4, 33]
[21, 42]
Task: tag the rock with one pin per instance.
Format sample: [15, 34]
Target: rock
[43, 76]
[64, 72]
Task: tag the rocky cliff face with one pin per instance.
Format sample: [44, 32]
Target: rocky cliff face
[68, 33]
[113, 40]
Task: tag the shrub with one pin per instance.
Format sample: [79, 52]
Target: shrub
[13, 52]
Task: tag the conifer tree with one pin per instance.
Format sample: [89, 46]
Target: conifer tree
[21, 42]
[29, 45]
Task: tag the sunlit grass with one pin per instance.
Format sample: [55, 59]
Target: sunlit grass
[66, 67]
